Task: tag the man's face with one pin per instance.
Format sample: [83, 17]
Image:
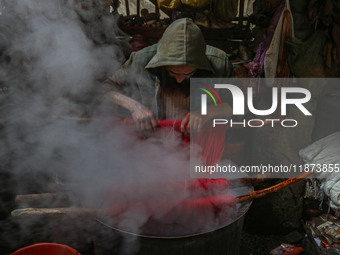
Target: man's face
[181, 73]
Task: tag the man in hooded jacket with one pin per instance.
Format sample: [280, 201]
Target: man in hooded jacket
[153, 84]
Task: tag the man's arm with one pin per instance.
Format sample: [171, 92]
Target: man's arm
[143, 117]
[122, 89]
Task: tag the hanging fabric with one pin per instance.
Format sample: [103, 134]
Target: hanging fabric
[276, 57]
[224, 10]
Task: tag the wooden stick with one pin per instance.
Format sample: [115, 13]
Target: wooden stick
[42, 199]
[254, 180]
[277, 187]
[52, 212]
[62, 199]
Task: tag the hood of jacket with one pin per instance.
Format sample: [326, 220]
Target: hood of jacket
[181, 44]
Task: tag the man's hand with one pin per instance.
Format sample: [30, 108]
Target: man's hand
[145, 120]
[193, 122]
[185, 124]
[143, 117]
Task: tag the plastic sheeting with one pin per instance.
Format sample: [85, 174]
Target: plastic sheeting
[326, 154]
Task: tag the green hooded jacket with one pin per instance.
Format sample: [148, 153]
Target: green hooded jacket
[181, 44]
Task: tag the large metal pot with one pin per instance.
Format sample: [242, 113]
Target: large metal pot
[224, 239]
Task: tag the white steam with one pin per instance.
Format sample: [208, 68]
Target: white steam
[53, 69]
[60, 66]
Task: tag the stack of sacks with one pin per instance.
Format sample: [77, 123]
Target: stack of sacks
[325, 154]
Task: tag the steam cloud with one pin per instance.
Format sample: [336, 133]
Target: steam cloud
[52, 65]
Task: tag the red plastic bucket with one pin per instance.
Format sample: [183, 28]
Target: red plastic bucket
[46, 249]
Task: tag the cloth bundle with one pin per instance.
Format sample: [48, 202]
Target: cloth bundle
[165, 190]
[190, 205]
[211, 140]
[325, 154]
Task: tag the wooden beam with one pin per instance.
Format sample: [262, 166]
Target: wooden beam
[240, 14]
[156, 9]
[138, 7]
[127, 8]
